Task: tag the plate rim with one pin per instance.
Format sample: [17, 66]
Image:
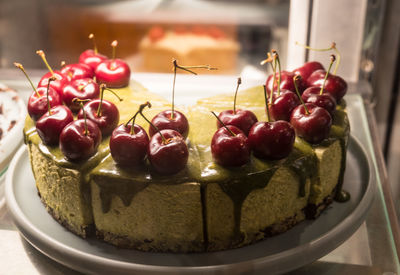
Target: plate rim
[344, 229]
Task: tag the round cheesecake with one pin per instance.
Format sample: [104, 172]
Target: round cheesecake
[204, 207]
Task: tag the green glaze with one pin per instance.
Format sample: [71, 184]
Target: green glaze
[237, 183]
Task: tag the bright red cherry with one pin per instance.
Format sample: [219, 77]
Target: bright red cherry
[103, 112]
[50, 125]
[84, 88]
[283, 105]
[286, 82]
[80, 139]
[115, 73]
[311, 122]
[243, 119]
[129, 142]
[77, 71]
[164, 120]
[307, 69]
[60, 81]
[271, 140]
[335, 85]
[168, 152]
[92, 57]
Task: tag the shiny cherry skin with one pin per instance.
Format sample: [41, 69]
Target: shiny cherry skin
[89, 57]
[75, 144]
[287, 82]
[283, 105]
[168, 157]
[84, 88]
[129, 149]
[272, 140]
[37, 105]
[308, 68]
[49, 126]
[57, 85]
[335, 85]
[109, 116]
[243, 119]
[77, 71]
[115, 73]
[324, 100]
[163, 121]
[228, 150]
[313, 127]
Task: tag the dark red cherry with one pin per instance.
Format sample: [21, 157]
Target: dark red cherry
[80, 142]
[308, 68]
[314, 127]
[50, 125]
[115, 73]
[37, 102]
[168, 152]
[91, 58]
[325, 100]
[164, 120]
[77, 71]
[283, 105]
[129, 149]
[271, 140]
[286, 82]
[57, 85]
[243, 119]
[107, 119]
[230, 150]
[84, 88]
[335, 85]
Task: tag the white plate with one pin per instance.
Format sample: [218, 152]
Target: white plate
[13, 109]
[301, 245]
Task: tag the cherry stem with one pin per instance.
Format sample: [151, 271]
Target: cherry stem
[83, 110]
[19, 66]
[333, 58]
[295, 79]
[239, 81]
[332, 47]
[276, 57]
[91, 36]
[47, 93]
[223, 124]
[114, 45]
[274, 81]
[165, 141]
[43, 56]
[187, 69]
[141, 107]
[266, 103]
[102, 88]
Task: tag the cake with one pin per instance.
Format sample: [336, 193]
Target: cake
[204, 207]
[197, 46]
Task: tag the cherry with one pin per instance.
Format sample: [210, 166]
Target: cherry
[271, 140]
[286, 80]
[77, 71]
[104, 113]
[243, 119]
[61, 79]
[172, 119]
[84, 88]
[129, 142]
[80, 139]
[307, 69]
[50, 125]
[115, 73]
[335, 85]
[92, 57]
[229, 146]
[38, 102]
[283, 101]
